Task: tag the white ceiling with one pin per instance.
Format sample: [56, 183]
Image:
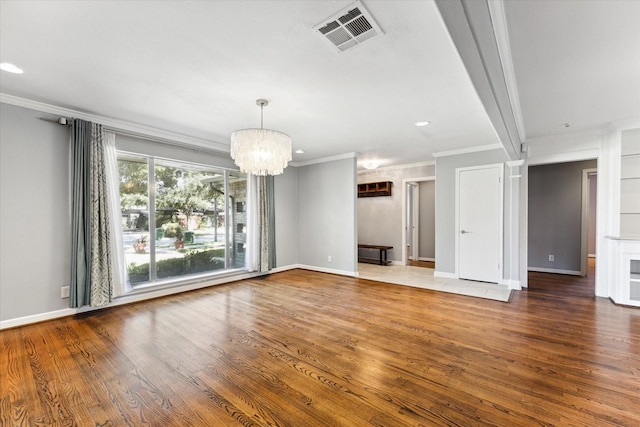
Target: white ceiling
[197, 68]
[575, 62]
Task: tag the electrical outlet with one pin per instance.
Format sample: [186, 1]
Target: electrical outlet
[552, 258]
[329, 258]
[64, 292]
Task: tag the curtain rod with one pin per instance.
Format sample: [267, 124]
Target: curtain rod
[68, 121]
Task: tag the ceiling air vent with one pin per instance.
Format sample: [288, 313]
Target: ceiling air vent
[348, 28]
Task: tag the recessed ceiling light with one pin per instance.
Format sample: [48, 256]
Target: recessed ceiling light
[420, 124]
[10, 68]
[299, 151]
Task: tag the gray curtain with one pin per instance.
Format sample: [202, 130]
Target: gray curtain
[271, 220]
[267, 233]
[91, 263]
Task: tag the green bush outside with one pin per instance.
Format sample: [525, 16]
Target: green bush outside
[171, 229]
[197, 261]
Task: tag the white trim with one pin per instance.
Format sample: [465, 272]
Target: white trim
[572, 156]
[592, 255]
[285, 268]
[404, 211]
[35, 318]
[515, 163]
[328, 270]
[444, 274]
[405, 166]
[415, 221]
[514, 285]
[554, 271]
[501, 34]
[117, 125]
[325, 159]
[422, 258]
[500, 169]
[468, 150]
[584, 220]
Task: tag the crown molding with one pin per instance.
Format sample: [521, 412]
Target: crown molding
[404, 166]
[325, 159]
[116, 125]
[468, 150]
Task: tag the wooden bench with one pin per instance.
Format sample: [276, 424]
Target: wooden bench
[382, 250]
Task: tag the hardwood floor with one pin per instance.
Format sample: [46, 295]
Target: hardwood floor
[426, 264]
[301, 348]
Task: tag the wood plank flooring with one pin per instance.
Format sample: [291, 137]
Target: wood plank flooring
[302, 348]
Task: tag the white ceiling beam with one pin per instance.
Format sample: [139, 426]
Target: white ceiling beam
[470, 26]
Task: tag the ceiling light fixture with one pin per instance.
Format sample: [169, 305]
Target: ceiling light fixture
[261, 151]
[420, 124]
[299, 151]
[10, 68]
[371, 164]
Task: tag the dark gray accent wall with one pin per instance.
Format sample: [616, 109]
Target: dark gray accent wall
[427, 223]
[555, 215]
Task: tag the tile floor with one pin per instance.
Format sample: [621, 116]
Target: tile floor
[421, 277]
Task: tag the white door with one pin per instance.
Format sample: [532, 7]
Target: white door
[479, 225]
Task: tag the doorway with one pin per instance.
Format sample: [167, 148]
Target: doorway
[559, 219]
[589, 203]
[418, 222]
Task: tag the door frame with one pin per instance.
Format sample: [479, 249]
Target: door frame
[404, 210]
[500, 169]
[584, 236]
[414, 219]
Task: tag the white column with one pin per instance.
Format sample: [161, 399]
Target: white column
[515, 174]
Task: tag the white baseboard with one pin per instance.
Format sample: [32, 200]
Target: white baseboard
[512, 284]
[421, 258]
[314, 268]
[555, 271]
[328, 270]
[592, 255]
[286, 268]
[445, 274]
[35, 318]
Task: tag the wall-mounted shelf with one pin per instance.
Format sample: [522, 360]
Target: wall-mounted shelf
[375, 189]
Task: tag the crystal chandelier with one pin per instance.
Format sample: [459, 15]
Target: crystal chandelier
[261, 151]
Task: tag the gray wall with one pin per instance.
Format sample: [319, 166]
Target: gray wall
[286, 207]
[194, 155]
[427, 222]
[327, 215]
[446, 203]
[35, 207]
[555, 215]
[380, 218]
[34, 213]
